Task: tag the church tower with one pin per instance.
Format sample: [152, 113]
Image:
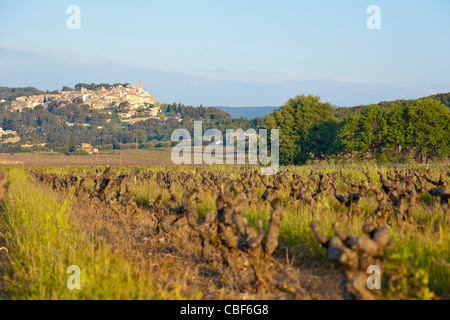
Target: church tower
[140, 84]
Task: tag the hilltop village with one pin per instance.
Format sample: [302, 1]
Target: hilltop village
[88, 106]
[92, 118]
[130, 96]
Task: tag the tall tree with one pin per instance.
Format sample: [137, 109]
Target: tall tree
[371, 132]
[72, 143]
[395, 134]
[428, 129]
[347, 135]
[323, 141]
[295, 119]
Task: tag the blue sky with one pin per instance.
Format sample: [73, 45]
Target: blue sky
[232, 53]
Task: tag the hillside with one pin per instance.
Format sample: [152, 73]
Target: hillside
[50, 125]
[343, 112]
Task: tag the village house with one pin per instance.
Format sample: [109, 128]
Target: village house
[88, 148]
[13, 136]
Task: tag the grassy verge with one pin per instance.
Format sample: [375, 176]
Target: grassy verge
[43, 243]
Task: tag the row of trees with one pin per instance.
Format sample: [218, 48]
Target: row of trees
[96, 87]
[343, 112]
[420, 129]
[199, 113]
[309, 130]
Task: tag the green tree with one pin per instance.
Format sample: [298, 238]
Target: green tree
[395, 134]
[347, 135]
[371, 132]
[323, 141]
[289, 141]
[72, 143]
[294, 120]
[428, 129]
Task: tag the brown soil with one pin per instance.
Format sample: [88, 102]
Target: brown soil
[126, 157]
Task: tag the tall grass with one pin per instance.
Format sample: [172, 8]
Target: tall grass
[43, 244]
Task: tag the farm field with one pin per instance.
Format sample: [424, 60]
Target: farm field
[124, 157]
[222, 232]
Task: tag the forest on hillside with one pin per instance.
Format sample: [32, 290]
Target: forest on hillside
[55, 125]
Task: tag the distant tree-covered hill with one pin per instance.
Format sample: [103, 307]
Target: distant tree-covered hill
[343, 112]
